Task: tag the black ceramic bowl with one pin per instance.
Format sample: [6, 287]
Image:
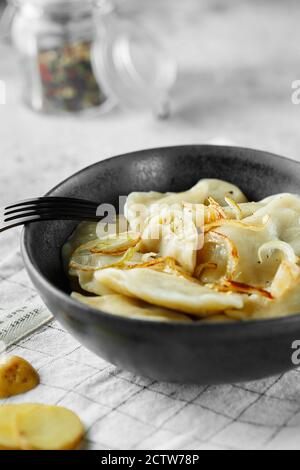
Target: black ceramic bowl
[199, 353]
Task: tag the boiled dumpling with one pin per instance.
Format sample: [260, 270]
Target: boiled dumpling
[172, 234]
[206, 252]
[139, 206]
[131, 308]
[88, 283]
[167, 290]
[257, 307]
[280, 218]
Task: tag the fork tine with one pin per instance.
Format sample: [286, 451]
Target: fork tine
[5, 225]
[50, 207]
[51, 200]
[53, 212]
[46, 217]
[47, 208]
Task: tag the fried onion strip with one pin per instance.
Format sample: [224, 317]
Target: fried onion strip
[233, 286]
[235, 207]
[233, 256]
[201, 267]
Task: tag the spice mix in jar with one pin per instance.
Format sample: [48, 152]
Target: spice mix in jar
[54, 39]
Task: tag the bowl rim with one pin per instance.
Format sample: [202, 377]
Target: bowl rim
[248, 326]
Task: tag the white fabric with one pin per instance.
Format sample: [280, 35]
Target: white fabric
[121, 411]
[21, 310]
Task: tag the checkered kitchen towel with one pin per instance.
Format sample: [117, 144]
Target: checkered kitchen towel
[122, 411]
[21, 310]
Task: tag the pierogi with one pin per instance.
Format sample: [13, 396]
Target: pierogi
[207, 254]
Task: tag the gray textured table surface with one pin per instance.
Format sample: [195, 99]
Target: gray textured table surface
[238, 61]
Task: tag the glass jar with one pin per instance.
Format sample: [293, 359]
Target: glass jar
[87, 55]
[54, 41]
[132, 56]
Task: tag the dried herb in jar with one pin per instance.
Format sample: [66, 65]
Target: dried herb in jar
[67, 78]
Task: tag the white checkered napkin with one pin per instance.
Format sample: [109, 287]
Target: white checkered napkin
[122, 411]
[21, 310]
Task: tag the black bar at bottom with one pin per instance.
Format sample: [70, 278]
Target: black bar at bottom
[128, 459]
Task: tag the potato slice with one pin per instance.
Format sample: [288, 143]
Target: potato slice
[8, 437]
[48, 428]
[16, 376]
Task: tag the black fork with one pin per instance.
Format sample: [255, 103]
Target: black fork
[47, 208]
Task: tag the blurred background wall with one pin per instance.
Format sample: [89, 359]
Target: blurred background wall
[238, 59]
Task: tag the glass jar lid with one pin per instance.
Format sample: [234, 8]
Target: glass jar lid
[134, 66]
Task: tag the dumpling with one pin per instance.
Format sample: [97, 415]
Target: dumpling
[173, 234]
[169, 291]
[280, 214]
[131, 308]
[88, 283]
[146, 212]
[85, 232]
[206, 252]
[287, 304]
[83, 265]
[139, 206]
[256, 307]
[221, 318]
[84, 254]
